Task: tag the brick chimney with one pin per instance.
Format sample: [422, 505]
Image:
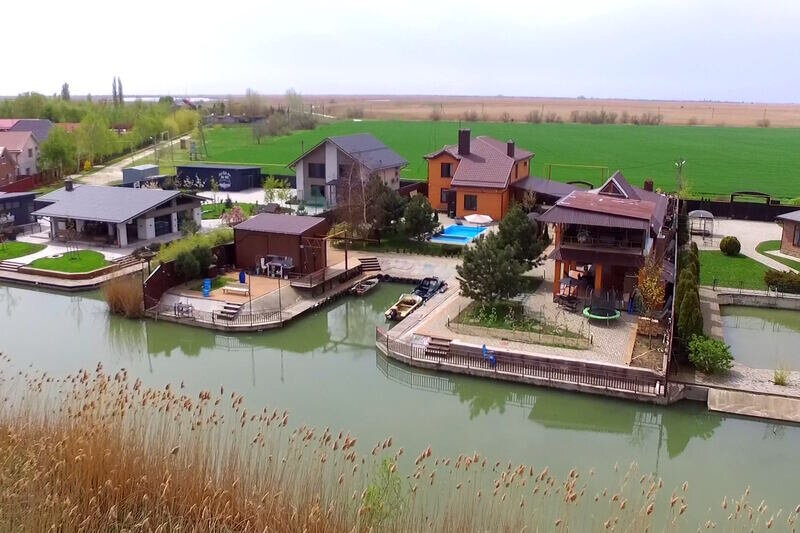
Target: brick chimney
[510, 148]
[648, 185]
[68, 184]
[463, 142]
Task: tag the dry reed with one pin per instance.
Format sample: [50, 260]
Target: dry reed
[124, 296]
[101, 452]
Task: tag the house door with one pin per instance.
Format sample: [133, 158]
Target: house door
[450, 196]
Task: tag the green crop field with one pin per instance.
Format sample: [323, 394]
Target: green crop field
[720, 160]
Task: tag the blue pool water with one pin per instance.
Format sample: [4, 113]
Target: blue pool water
[454, 234]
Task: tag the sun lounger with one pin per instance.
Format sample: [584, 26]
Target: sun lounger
[236, 289]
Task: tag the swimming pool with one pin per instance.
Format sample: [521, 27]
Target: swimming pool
[455, 234]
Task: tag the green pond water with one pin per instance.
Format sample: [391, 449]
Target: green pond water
[325, 370]
[762, 338]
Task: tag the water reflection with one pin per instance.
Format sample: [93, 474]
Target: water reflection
[556, 410]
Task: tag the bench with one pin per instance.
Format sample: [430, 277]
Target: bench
[234, 289]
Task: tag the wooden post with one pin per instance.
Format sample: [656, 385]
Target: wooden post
[598, 277]
[557, 279]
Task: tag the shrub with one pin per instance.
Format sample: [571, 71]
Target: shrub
[686, 283]
[552, 118]
[124, 296]
[171, 251]
[690, 316]
[506, 117]
[730, 246]
[534, 117]
[187, 266]
[228, 202]
[189, 227]
[710, 356]
[471, 116]
[780, 377]
[354, 112]
[763, 123]
[783, 281]
[436, 114]
[204, 257]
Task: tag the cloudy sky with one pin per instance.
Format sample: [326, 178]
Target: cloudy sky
[683, 49]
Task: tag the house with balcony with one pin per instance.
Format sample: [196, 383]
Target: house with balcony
[331, 169]
[476, 176]
[604, 235]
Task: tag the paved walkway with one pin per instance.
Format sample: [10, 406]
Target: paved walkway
[113, 172]
[749, 233]
[758, 405]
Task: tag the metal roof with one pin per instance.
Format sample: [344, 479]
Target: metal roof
[9, 195]
[565, 215]
[794, 216]
[364, 148]
[218, 166]
[487, 165]
[280, 223]
[15, 141]
[40, 127]
[102, 203]
[544, 186]
[619, 258]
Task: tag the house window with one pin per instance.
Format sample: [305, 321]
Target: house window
[316, 170]
[470, 202]
[447, 170]
[30, 152]
[444, 196]
[796, 238]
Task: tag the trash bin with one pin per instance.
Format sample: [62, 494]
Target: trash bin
[242, 277]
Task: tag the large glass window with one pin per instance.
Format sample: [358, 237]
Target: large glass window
[316, 170]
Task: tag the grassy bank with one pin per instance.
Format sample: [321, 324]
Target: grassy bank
[14, 249]
[101, 452]
[738, 271]
[771, 246]
[720, 160]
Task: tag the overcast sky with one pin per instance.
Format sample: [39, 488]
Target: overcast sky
[683, 49]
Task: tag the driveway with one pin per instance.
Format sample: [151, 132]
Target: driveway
[113, 172]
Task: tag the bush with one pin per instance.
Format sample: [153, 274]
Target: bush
[187, 266]
[710, 356]
[534, 117]
[730, 246]
[690, 316]
[471, 116]
[763, 123]
[783, 281]
[436, 114]
[686, 283]
[204, 257]
[780, 377]
[354, 112]
[217, 237]
[124, 296]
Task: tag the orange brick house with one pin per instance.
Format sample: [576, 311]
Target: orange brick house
[475, 175]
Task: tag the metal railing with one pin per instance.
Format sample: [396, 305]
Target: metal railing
[602, 242]
[565, 371]
[261, 318]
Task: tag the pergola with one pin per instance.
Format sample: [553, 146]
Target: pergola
[701, 222]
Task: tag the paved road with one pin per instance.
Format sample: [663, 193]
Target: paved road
[113, 172]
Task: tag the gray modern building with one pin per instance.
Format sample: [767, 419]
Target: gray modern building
[16, 208]
[138, 173]
[116, 216]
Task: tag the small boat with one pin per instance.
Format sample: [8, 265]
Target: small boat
[364, 287]
[428, 287]
[403, 307]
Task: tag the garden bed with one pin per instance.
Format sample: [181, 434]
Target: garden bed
[509, 321]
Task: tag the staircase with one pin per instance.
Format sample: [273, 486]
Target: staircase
[438, 347]
[125, 261]
[229, 311]
[369, 264]
[10, 266]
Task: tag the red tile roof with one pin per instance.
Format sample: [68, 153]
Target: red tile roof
[487, 165]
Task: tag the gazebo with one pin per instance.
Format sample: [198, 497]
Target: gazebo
[701, 222]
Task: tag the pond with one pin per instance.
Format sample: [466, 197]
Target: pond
[324, 368]
[762, 338]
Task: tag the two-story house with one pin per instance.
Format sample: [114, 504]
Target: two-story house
[604, 235]
[23, 149]
[475, 175]
[336, 164]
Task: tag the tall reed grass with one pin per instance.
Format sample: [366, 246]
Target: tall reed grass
[102, 452]
[124, 296]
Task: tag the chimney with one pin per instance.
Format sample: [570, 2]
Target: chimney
[648, 185]
[510, 148]
[463, 142]
[68, 184]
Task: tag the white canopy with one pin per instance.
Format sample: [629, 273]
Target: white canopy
[481, 220]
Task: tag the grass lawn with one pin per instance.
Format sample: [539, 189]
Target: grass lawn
[720, 160]
[213, 211]
[509, 316]
[768, 246]
[77, 261]
[731, 271]
[14, 249]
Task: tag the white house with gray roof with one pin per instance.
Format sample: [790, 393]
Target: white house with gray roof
[329, 168]
[117, 216]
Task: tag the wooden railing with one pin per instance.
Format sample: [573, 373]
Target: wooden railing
[538, 367]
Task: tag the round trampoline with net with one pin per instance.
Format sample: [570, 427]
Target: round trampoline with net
[602, 306]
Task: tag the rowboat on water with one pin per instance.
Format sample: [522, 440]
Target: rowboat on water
[405, 304]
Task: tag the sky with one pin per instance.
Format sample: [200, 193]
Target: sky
[729, 50]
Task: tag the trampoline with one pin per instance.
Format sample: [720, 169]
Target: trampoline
[602, 306]
[601, 313]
